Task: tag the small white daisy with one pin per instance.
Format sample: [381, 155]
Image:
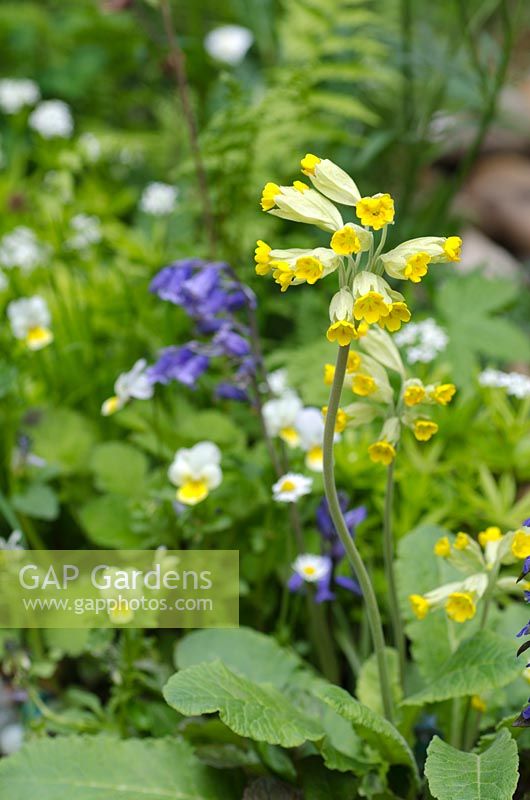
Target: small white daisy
[290, 487]
[311, 568]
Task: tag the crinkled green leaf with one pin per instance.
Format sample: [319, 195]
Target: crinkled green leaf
[492, 775]
[254, 655]
[482, 663]
[64, 438]
[120, 468]
[102, 768]
[368, 688]
[260, 712]
[372, 727]
[38, 501]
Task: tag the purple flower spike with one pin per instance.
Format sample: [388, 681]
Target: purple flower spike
[229, 391]
[180, 364]
[524, 631]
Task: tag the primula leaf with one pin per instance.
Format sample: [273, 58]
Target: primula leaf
[64, 438]
[38, 500]
[102, 768]
[454, 775]
[372, 727]
[119, 468]
[243, 650]
[482, 663]
[108, 522]
[249, 709]
[368, 687]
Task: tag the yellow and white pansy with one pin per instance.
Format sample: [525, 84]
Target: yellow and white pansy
[30, 321]
[291, 487]
[310, 428]
[280, 416]
[196, 472]
[330, 180]
[133, 384]
[300, 203]
[410, 260]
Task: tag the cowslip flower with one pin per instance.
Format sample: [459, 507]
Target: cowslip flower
[158, 199]
[424, 429]
[459, 599]
[15, 93]
[52, 119]
[196, 472]
[382, 452]
[410, 260]
[291, 487]
[376, 211]
[299, 203]
[330, 179]
[133, 384]
[30, 321]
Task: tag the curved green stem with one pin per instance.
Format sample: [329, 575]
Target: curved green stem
[354, 557]
[388, 553]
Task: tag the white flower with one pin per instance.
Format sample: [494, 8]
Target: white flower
[196, 471]
[15, 93]
[310, 567]
[87, 231]
[290, 487]
[90, 146]
[52, 118]
[515, 383]
[423, 340]
[158, 199]
[134, 383]
[21, 248]
[310, 427]
[228, 43]
[277, 382]
[13, 542]
[280, 415]
[30, 320]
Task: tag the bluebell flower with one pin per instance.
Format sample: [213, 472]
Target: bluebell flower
[524, 631]
[229, 391]
[230, 343]
[180, 364]
[352, 517]
[526, 565]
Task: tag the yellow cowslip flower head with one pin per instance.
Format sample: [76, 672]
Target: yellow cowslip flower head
[283, 274]
[308, 163]
[491, 534]
[462, 541]
[478, 704]
[363, 385]
[341, 420]
[382, 452]
[376, 211]
[460, 606]
[444, 393]
[329, 374]
[442, 547]
[419, 605]
[452, 248]
[398, 313]
[309, 268]
[354, 362]
[343, 332]
[521, 544]
[345, 241]
[300, 186]
[414, 394]
[270, 190]
[362, 329]
[371, 307]
[416, 267]
[424, 429]
[262, 258]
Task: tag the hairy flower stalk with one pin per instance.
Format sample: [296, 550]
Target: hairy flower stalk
[354, 557]
[388, 555]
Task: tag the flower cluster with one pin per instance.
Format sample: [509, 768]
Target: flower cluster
[52, 119]
[15, 93]
[479, 562]
[367, 376]
[21, 248]
[365, 297]
[210, 294]
[515, 383]
[158, 199]
[228, 43]
[86, 231]
[422, 341]
[321, 570]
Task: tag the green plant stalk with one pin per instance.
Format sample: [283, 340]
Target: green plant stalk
[388, 555]
[354, 557]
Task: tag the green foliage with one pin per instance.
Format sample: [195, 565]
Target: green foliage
[473, 776]
[103, 768]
